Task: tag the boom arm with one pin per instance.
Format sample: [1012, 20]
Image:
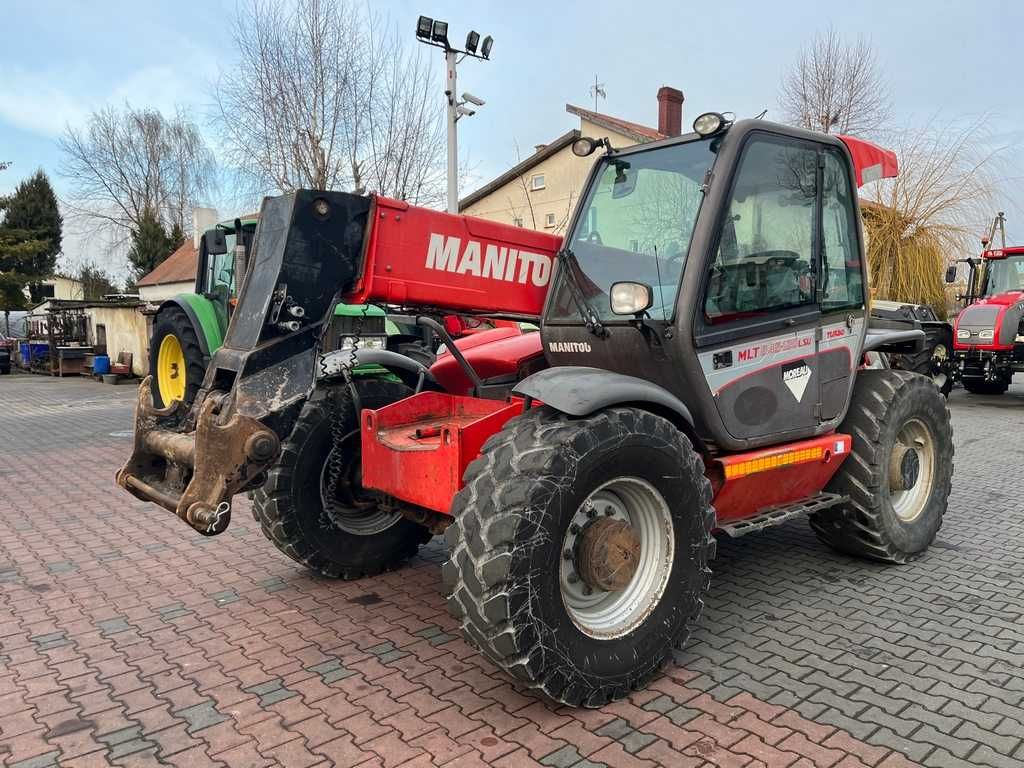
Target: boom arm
[313, 249]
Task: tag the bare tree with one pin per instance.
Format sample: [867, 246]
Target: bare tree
[127, 161]
[930, 214]
[836, 87]
[322, 99]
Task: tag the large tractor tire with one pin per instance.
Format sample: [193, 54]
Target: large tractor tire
[899, 471]
[578, 559]
[175, 358]
[935, 359]
[975, 382]
[338, 529]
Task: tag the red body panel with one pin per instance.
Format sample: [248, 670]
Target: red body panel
[1003, 301]
[743, 496]
[870, 161]
[418, 448]
[426, 258]
[497, 352]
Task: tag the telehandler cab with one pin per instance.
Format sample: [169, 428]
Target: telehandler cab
[698, 369]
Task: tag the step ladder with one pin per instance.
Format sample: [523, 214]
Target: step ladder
[769, 516]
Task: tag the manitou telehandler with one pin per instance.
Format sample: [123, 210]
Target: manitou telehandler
[698, 369]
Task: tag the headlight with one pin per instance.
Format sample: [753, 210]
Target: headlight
[365, 342]
[987, 334]
[963, 334]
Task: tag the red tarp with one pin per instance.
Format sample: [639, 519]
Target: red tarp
[870, 161]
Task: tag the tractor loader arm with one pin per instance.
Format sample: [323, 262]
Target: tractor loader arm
[312, 250]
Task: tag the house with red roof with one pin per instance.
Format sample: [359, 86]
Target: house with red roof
[541, 190]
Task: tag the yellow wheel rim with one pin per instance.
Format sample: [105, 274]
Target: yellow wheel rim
[170, 370]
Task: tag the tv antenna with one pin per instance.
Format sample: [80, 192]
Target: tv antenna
[597, 90]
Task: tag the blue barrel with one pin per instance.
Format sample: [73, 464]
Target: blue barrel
[101, 364]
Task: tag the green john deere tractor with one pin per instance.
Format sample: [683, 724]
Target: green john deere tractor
[189, 327]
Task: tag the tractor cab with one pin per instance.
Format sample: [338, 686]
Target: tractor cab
[221, 260]
[727, 269]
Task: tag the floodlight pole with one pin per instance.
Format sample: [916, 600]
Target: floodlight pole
[453, 140]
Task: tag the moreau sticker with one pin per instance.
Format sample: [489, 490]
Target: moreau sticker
[796, 376]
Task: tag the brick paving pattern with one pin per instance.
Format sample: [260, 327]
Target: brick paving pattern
[127, 639]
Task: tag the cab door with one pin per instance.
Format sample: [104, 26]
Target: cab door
[841, 292]
[758, 335]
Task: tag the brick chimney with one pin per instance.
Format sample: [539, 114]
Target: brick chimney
[670, 111]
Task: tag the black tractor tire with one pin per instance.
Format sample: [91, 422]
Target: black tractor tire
[938, 343]
[886, 404]
[172, 321]
[976, 383]
[418, 351]
[290, 506]
[506, 549]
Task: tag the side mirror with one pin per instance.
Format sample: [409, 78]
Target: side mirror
[624, 183]
[216, 241]
[630, 298]
[951, 273]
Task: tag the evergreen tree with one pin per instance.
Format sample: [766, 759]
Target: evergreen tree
[151, 244]
[30, 239]
[32, 210]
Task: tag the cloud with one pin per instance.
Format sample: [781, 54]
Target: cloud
[45, 102]
[34, 103]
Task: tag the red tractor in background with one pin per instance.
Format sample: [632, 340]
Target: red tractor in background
[989, 331]
[698, 369]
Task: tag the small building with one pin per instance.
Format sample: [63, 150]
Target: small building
[175, 274]
[116, 327]
[541, 191]
[60, 287]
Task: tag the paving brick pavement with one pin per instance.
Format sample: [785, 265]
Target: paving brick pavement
[127, 639]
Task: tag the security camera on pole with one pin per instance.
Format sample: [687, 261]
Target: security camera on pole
[433, 32]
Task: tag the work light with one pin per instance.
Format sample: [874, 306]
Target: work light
[472, 41]
[439, 32]
[485, 49]
[708, 123]
[423, 27]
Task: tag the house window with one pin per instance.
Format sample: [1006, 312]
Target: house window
[537, 181]
[517, 222]
[549, 220]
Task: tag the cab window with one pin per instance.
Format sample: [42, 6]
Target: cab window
[842, 277]
[765, 254]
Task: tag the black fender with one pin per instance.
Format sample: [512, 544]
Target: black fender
[579, 390]
[880, 340]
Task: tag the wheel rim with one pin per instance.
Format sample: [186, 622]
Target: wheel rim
[914, 445]
[349, 506]
[170, 369]
[607, 614]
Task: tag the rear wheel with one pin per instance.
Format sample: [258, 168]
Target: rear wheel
[175, 358]
[898, 474]
[578, 559]
[934, 361]
[313, 506]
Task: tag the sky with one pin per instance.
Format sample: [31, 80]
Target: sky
[945, 62]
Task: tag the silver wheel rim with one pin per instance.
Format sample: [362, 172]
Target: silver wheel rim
[360, 522]
[910, 503]
[607, 615]
[940, 354]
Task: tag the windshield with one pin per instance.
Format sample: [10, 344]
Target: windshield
[635, 224]
[1002, 275]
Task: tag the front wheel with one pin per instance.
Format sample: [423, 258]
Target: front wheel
[578, 559]
[313, 506]
[899, 472]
